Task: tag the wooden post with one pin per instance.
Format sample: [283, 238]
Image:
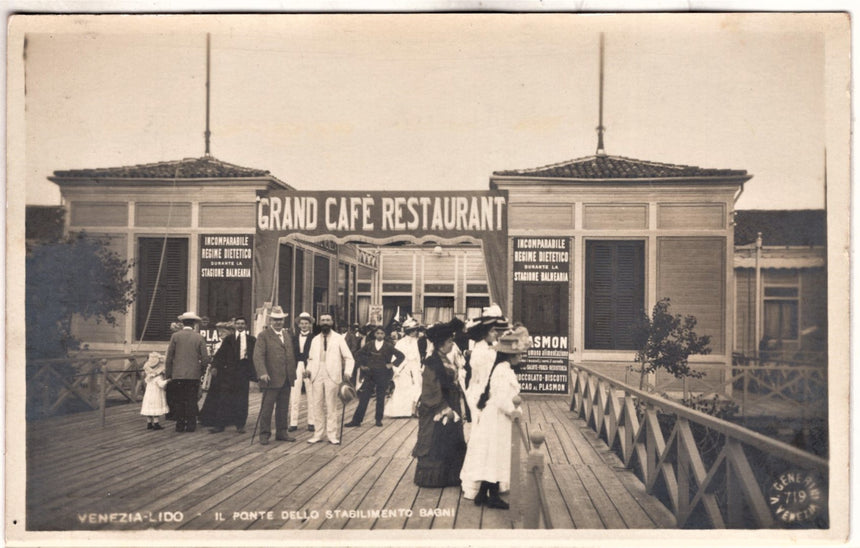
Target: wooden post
[103, 389]
[516, 462]
[746, 371]
[532, 502]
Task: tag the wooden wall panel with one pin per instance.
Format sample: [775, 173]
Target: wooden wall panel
[533, 216]
[235, 215]
[99, 214]
[691, 273]
[158, 214]
[691, 216]
[615, 216]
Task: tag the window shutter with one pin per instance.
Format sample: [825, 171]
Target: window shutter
[171, 295]
[615, 292]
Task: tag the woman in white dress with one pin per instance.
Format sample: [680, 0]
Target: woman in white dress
[484, 331]
[487, 468]
[407, 376]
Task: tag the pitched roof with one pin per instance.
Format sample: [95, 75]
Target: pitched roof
[618, 167]
[206, 167]
[799, 227]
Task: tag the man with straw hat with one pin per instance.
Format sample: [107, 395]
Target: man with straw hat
[183, 365]
[275, 363]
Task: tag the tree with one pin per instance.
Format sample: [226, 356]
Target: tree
[80, 276]
[664, 341]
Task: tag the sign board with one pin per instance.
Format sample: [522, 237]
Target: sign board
[541, 289]
[226, 256]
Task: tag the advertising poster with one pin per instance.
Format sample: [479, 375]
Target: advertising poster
[541, 289]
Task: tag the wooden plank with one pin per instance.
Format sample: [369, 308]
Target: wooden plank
[402, 498]
[449, 499]
[579, 504]
[379, 494]
[661, 516]
[559, 512]
[278, 485]
[356, 495]
[632, 514]
[493, 518]
[426, 499]
[581, 437]
[410, 436]
[552, 446]
[298, 498]
[220, 495]
[334, 493]
[606, 510]
[468, 515]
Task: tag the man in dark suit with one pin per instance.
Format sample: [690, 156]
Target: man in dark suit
[375, 364]
[301, 346]
[232, 369]
[275, 364]
[183, 365]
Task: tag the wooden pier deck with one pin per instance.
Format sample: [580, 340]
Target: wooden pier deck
[81, 476]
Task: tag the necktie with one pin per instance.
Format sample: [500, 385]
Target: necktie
[243, 349]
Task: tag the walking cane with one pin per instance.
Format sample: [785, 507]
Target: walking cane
[257, 423]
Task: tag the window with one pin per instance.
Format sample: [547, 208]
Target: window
[780, 313]
[475, 306]
[614, 292]
[321, 277]
[438, 309]
[158, 306]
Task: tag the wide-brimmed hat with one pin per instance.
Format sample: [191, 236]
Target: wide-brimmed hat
[188, 316]
[305, 316]
[440, 332]
[515, 341]
[410, 324]
[277, 313]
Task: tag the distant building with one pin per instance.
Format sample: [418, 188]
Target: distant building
[781, 284]
[44, 224]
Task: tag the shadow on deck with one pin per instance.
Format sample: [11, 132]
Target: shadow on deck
[123, 477]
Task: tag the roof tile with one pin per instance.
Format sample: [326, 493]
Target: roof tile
[206, 167]
[618, 167]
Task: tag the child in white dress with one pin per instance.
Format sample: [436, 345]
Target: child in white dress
[155, 397]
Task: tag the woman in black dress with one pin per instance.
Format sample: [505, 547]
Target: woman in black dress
[441, 447]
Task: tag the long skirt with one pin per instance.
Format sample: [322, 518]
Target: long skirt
[440, 467]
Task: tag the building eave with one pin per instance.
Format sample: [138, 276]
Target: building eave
[145, 182]
[524, 180]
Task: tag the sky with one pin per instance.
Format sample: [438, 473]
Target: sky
[432, 102]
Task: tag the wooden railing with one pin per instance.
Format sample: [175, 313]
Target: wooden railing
[528, 502]
[754, 385]
[51, 384]
[714, 486]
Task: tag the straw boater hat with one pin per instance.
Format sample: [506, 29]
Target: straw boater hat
[188, 316]
[440, 332]
[277, 313]
[515, 341]
[305, 316]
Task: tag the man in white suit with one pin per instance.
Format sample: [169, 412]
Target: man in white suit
[329, 361]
